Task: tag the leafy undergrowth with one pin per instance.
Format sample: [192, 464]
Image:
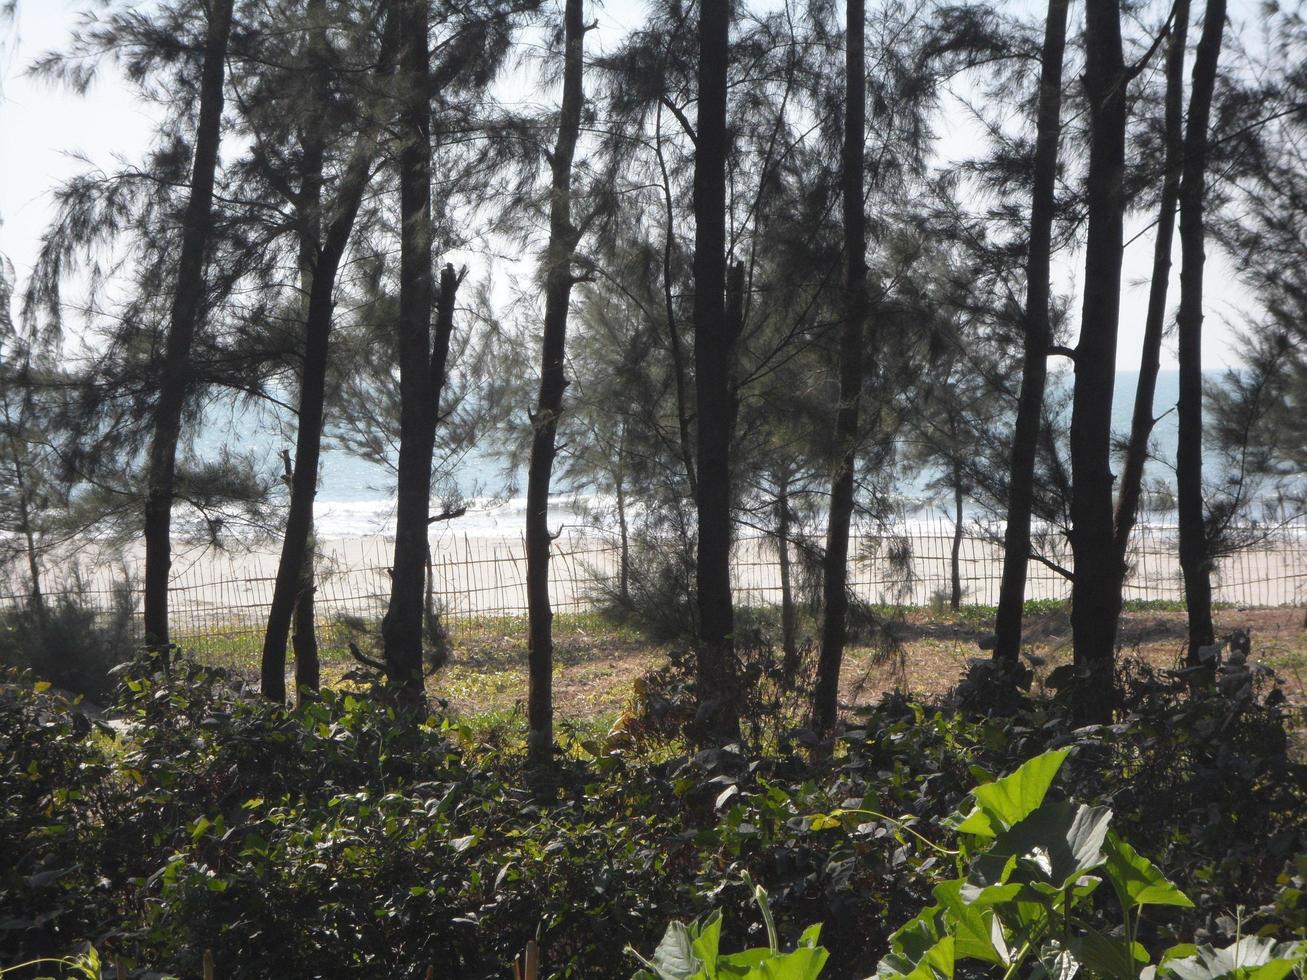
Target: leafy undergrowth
[342, 839]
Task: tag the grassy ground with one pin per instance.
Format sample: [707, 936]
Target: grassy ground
[921, 650]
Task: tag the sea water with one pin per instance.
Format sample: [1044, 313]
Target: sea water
[356, 495]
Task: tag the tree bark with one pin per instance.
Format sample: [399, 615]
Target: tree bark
[401, 629]
[292, 604]
[955, 558]
[1195, 552]
[1095, 590]
[673, 327]
[789, 621]
[1034, 370]
[1150, 359]
[623, 530]
[175, 377]
[558, 291]
[835, 564]
[294, 584]
[718, 700]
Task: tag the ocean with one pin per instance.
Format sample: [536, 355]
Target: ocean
[355, 496]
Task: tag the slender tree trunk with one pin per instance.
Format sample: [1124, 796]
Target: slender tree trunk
[294, 585]
[1150, 359]
[174, 380]
[1034, 370]
[558, 292]
[401, 628]
[1095, 591]
[1195, 552]
[835, 566]
[36, 596]
[624, 537]
[673, 327]
[712, 372]
[955, 559]
[304, 640]
[789, 621]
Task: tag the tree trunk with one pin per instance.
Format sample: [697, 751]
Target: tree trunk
[1095, 590]
[1142, 421]
[789, 621]
[175, 376]
[1195, 552]
[558, 291]
[673, 327]
[1034, 370]
[835, 565]
[36, 597]
[294, 584]
[718, 698]
[304, 640]
[624, 537]
[955, 559]
[401, 629]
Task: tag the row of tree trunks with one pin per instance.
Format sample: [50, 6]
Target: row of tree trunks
[835, 593]
[559, 278]
[1034, 371]
[175, 380]
[1150, 358]
[712, 374]
[1195, 551]
[1095, 594]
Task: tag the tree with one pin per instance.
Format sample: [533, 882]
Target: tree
[1195, 556]
[856, 306]
[1142, 420]
[324, 231]
[714, 342]
[1095, 592]
[174, 380]
[1038, 337]
[559, 278]
[402, 626]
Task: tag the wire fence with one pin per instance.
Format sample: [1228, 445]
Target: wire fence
[219, 601]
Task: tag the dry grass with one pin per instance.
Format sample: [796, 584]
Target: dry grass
[596, 664]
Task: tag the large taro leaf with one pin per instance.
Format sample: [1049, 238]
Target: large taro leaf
[935, 963]
[804, 963]
[912, 941]
[1054, 845]
[1137, 880]
[1251, 958]
[1106, 956]
[1008, 801]
[976, 932]
[675, 958]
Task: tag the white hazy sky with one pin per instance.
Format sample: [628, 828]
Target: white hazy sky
[41, 127]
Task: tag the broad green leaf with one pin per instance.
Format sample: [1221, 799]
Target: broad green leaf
[972, 923]
[674, 958]
[804, 963]
[1009, 800]
[1251, 958]
[936, 963]
[1056, 963]
[1107, 957]
[1057, 843]
[705, 940]
[1138, 879]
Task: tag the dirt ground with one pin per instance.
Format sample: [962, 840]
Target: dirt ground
[597, 665]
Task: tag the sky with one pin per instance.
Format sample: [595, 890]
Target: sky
[44, 129]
